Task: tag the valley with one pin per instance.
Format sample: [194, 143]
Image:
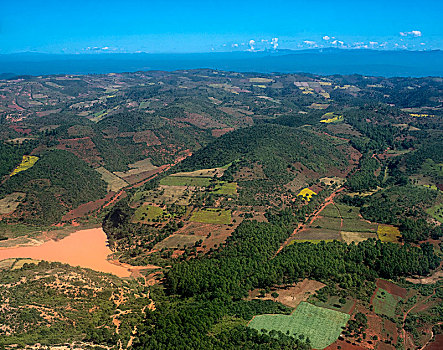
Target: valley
[203, 209]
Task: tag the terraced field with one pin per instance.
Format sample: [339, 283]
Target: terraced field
[322, 326]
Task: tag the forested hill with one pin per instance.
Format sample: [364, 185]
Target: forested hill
[274, 147]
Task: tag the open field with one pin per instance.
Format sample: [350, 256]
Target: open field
[328, 223]
[322, 326]
[392, 288]
[356, 225]
[293, 295]
[147, 213]
[202, 173]
[357, 237]
[333, 303]
[226, 188]
[10, 202]
[136, 168]
[436, 212]
[316, 234]
[27, 162]
[388, 233]
[177, 241]
[114, 182]
[212, 216]
[185, 181]
[384, 303]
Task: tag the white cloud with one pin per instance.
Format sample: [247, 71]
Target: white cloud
[274, 43]
[373, 43]
[413, 33]
[252, 45]
[234, 45]
[326, 37]
[309, 42]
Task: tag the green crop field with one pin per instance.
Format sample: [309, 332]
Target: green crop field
[227, 188]
[322, 326]
[185, 181]
[328, 223]
[147, 213]
[385, 303]
[212, 216]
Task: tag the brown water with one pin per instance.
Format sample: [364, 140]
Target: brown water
[85, 248]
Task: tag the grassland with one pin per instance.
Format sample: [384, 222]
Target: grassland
[436, 212]
[212, 216]
[322, 326]
[185, 181]
[385, 303]
[27, 162]
[147, 213]
[388, 233]
[307, 194]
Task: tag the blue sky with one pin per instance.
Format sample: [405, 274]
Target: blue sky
[204, 26]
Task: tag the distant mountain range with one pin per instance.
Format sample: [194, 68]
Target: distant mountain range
[318, 61]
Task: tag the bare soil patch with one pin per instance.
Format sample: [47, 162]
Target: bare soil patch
[293, 295]
[10, 202]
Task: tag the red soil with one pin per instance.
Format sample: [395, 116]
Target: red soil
[391, 288]
[437, 344]
[87, 208]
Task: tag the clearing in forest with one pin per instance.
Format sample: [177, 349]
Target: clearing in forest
[147, 213]
[384, 302]
[322, 326]
[27, 162]
[388, 233]
[436, 212]
[212, 216]
[10, 202]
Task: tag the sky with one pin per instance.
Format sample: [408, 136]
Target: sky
[162, 26]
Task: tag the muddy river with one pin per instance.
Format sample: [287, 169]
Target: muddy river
[85, 248]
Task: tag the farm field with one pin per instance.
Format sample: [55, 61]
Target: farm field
[177, 241]
[212, 216]
[114, 182]
[227, 188]
[328, 223]
[185, 181]
[322, 326]
[27, 162]
[137, 168]
[384, 303]
[147, 213]
[388, 233]
[357, 237]
[315, 234]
